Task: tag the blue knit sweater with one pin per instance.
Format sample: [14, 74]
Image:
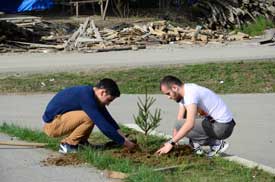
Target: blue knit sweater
[83, 98]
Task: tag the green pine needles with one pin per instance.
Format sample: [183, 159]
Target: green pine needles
[145, 119]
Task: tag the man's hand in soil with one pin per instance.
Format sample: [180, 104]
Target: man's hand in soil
[130, 145]
[165, 149]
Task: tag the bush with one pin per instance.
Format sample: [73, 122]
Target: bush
[257, 27]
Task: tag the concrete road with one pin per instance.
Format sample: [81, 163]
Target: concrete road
[253, 138]
[23, 164]
[170, 54]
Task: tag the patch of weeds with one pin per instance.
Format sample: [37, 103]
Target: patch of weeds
[103, 160]
[146, 174]
[257, 27]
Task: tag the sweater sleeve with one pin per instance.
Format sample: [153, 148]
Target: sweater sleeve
[109, 118]
[91, 109]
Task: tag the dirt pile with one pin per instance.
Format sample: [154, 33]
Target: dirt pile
[139, 156]
[62, 160]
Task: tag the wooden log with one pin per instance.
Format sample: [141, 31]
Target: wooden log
[88, 40]
[35, 45]
[115, 174]
[55, 38]
[203, 38]
[121, 175]
[97, 34]
[24, 144]
[105, 10]
[73, 40]
[158, 33]
[70, 42]
[107, 49]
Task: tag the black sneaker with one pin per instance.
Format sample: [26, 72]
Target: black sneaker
[65, 148]
[85, 144]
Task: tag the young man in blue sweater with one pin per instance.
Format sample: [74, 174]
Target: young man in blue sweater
[74, 111]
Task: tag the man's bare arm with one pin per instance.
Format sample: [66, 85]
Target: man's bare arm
[181, 112]
[189, 124]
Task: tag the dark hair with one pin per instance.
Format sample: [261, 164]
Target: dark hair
[169, 80]
[110, 86]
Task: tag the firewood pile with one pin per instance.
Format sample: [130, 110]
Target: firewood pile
[88, 38]
[234, 13]
[32, 34]
[40, 36]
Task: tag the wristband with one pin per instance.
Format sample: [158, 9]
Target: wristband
[172, 142]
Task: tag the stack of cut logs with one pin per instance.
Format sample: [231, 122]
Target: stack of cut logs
[89, 38]
[234, 13]
[32, 34]
[43, 36]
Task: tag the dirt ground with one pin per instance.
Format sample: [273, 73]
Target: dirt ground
[176, 156]
[137, 156]
[62, 160]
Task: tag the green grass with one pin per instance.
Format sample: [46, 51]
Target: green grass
[29, 135]
[191, 169]
[257, 27]
[238, 77]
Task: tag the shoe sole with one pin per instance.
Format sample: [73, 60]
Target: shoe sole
[62, 149]
[226, 146]
[217, 153]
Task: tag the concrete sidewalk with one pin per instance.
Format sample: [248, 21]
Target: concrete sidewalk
[23, 164]
[253, 138]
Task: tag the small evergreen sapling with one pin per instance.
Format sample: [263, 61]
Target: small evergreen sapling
[145, 119]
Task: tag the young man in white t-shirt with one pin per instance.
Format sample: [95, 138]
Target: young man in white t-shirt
[217, 123]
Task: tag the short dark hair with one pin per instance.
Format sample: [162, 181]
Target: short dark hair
[169, 80]
[110, 86]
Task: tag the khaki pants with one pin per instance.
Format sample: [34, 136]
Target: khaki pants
[76, 125]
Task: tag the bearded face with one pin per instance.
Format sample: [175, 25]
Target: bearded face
[172, 93]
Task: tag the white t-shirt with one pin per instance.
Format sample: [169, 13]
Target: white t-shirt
[206, 100]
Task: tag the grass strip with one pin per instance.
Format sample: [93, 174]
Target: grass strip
[238, 77]
[29, 135]
[192, 168]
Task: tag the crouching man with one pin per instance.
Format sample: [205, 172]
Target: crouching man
[217, 125]
[74, 111]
